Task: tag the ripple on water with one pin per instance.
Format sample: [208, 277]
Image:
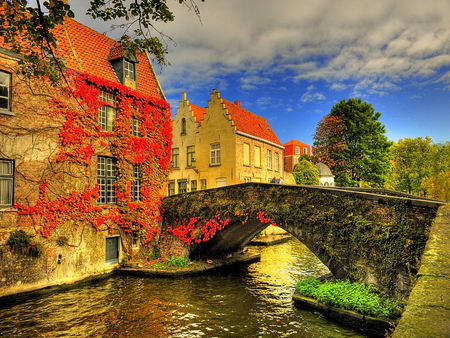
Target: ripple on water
[252, 301]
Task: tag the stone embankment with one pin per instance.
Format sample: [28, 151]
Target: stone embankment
[428, 311]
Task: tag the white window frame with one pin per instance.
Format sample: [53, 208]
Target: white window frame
[106, 179]
[215, 154]
[269, 159]
[129, 70]
[277, 161]
[107, 113]
[5, 90]
[6, 183]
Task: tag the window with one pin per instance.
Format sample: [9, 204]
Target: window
[5, 90]
[277, 161]
[176, 158]
[182, 186]
[193, 185]
[258, 157]
[106, 179]
[171, 188]
[190, 154]
[183, 126]
[136, 184]
[135, 127]
[297, 150]
[203, 184]
[107, 111]
[246, 154]
[129, 70]
[247, 179]
[135, 239]
[305, 150]
[6, 183]
[269, 159]
[215, 154]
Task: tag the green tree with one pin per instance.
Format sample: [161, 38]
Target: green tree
[28, 30]
[421, 167]
[352, 143]
[305, 173]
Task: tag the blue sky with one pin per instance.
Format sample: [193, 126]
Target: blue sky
[290, 61]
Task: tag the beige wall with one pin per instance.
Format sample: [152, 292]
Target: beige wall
[217, 127]
[182, 141]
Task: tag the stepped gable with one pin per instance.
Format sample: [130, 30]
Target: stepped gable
[198, 112]
[250, 123]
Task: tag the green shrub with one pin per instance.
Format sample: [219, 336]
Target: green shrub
[155, 254]
[177, 262]
[350, 296]
[20, 242]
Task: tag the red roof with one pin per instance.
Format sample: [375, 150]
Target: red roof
[250, 123]
[198, 112]
[87, 50]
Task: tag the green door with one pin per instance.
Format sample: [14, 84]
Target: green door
[112, 250]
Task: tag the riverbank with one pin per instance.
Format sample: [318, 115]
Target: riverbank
[376, 327]
[197, 268]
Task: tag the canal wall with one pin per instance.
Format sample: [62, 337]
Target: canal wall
[427, 313]
[77, 255]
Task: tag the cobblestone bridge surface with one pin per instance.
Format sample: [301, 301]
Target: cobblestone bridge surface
[428, 311]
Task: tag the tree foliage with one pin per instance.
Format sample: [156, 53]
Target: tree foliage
[306, 173]
[421, 167]
[352, 143]
[28, 30]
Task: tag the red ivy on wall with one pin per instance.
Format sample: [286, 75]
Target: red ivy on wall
[81, 138]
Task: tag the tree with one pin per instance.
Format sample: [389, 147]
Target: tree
[305, 173]
[421, 167]
[352, 143]
[28, 30]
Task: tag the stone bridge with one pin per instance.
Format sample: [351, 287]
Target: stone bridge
[375, 236]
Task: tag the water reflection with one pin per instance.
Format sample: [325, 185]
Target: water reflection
[252, 301]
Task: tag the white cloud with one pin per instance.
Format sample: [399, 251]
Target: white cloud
[375, 44]
[311, 95]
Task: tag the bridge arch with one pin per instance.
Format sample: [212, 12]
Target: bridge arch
[371, 235]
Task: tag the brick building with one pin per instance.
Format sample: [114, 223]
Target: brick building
[292, 152]
[83, 164]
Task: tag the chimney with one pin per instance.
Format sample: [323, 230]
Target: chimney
[237, 103]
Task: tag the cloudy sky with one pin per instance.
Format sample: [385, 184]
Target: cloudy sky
[290, 61]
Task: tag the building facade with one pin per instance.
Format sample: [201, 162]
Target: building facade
[292, 152]
[83, 164]
[224, 144]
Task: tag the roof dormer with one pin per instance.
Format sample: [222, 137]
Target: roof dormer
[124, 65]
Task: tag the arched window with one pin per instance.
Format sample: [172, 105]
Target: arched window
[183, 126]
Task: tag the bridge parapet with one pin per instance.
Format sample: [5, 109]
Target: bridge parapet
[363, 236]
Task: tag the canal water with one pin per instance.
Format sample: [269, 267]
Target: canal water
[247, 302]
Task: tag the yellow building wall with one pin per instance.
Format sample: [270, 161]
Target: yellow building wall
[216, 128]
[182, 140]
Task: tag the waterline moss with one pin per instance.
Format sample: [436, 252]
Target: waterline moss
[350, 296]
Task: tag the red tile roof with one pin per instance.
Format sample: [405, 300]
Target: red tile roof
[250, 123]
[87, 50]
[198, 112]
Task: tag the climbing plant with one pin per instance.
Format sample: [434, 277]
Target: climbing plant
[388, 234]
[68, 193]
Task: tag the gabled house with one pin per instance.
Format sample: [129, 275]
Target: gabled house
[83, 165]
[293, 150]
[224, 144]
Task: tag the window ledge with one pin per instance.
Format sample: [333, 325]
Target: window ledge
[214, 165]
[6, 112]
